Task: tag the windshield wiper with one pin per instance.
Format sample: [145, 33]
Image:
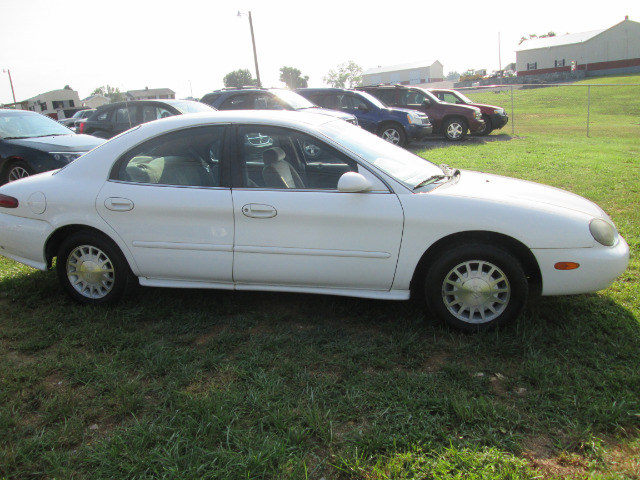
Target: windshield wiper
[430, 180]
[447, 174]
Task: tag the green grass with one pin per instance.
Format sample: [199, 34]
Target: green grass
[610, 107]
[208, 384]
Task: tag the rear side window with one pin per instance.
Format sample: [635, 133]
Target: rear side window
[185, 158]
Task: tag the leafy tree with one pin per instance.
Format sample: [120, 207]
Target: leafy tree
[239, 78]
[113, 94]
[348, 75]
[291, 77]
[452, 76]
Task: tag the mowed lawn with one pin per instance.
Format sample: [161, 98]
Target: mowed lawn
[206, 384]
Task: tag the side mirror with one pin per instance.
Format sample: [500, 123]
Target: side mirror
[363, 108]
[352, 182]
[426, 103]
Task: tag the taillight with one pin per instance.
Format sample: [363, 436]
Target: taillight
[81, 127]
[8, 202]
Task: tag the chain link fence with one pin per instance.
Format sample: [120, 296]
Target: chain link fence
[592, 110]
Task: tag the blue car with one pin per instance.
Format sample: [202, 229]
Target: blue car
[396, 125]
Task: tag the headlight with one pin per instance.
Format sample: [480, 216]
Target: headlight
[66, 157]
[478, 115]
[603, 232]
[499, 111]
[415, 117]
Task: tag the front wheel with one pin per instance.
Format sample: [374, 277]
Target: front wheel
[92, 269]
[393, 134]
[475, 287]
[454, 130]
[488, 126]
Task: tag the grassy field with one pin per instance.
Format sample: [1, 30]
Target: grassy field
[220, 385]
[609, 104]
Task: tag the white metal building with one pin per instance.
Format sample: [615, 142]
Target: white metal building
[54, 103]
[408, 74]
[615, 49]
[150, 94]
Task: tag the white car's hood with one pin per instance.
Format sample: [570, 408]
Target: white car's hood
[508, 190]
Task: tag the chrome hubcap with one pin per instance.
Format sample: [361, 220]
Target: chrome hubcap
[454, 130]
[90, 272]
[476, 292]
[16, 173]
[391, 136]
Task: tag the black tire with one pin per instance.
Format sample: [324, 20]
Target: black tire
[393, 133]
[15, 171]
[476, 287]
[454, 129]
[92, 269]
[488, 126]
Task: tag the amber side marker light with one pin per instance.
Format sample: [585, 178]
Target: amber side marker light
[8, 202]
[566, 265]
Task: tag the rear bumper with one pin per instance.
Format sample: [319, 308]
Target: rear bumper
[23, 240]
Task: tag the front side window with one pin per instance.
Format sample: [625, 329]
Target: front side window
[184, 158]
[273, 157]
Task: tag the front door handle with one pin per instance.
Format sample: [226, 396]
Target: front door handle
[256, 210]
[118, 204]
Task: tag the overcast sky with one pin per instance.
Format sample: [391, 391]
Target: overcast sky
[190, 45]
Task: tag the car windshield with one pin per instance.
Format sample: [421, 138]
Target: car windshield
[191, 107]
[30, 125]
[293, 99]
[404, 166]
[462, 97]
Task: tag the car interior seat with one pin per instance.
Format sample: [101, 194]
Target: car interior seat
[277, 172]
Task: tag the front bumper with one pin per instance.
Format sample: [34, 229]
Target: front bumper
[476, 126]
[499, 121]
[599, 268]
[418, 132]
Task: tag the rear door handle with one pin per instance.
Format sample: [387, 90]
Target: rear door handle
[256, 210]
[118, 204]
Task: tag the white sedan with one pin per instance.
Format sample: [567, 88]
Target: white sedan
[280, 201]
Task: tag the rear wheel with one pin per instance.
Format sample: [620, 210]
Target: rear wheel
[15, 171]
[393, 134]
[92, 269]
[475, 287]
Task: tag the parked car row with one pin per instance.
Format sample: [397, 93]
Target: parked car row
[398, 113]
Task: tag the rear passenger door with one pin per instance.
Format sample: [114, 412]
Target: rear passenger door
[166, 200]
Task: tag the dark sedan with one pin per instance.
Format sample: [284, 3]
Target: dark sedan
[32, 143]
[115, 118]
